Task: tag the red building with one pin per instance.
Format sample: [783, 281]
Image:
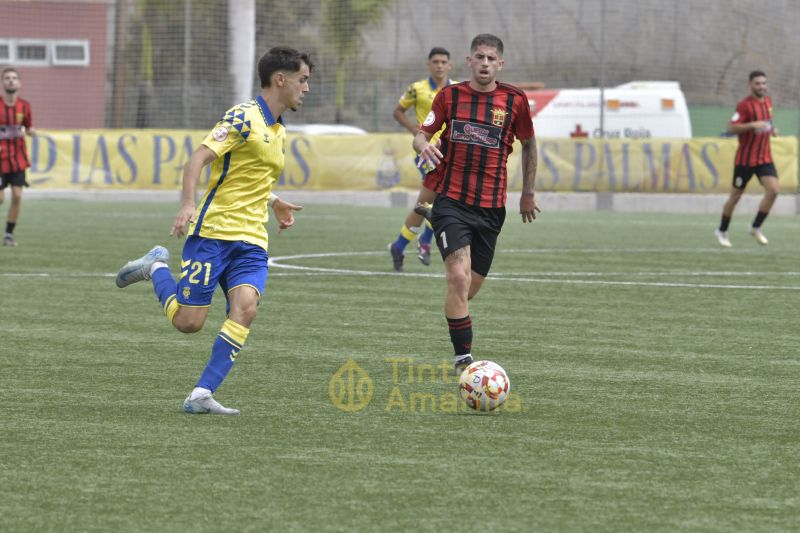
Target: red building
[60, 49]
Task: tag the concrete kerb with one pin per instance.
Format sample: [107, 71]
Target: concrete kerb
[786, 204]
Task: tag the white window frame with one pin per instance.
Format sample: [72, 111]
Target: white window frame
[31, 62]
[55, 61]
[10, 44]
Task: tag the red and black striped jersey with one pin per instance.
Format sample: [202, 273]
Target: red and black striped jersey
[754, 145]
[481, 128]
[13, 153]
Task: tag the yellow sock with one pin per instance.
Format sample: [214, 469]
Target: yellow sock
[171, 307]
[234, 333]
[408, 233]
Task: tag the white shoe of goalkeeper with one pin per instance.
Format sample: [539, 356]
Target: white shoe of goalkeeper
[206, 404]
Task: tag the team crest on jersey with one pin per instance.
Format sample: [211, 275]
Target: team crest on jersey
[21, 116]
[429, 119]
[498, 116]
[220, 133]
[186, 293]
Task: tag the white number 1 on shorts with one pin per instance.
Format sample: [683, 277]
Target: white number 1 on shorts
[443, 236]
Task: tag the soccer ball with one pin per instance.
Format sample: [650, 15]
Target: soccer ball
[484, 385]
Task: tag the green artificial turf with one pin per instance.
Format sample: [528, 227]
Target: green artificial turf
[654, 379]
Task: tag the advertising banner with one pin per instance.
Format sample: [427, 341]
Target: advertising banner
[154, 159]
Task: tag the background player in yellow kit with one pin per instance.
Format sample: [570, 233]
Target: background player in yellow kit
[420, 95]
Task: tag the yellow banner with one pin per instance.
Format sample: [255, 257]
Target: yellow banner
[154, 159]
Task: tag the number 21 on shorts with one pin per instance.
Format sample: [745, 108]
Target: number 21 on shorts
[195, 272]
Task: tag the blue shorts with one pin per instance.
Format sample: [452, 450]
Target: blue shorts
[423, 170]
[207, 263]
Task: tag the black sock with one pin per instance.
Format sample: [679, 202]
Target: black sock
[724, 223]
[760, 217]
[461, 334]
[10, 227]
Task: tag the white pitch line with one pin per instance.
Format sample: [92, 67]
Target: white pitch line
[277, 262]
[531, 277]
[57, 275]
[710, 273]
[623, 250]
[653, 284]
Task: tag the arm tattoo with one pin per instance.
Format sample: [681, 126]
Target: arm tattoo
[529, 164]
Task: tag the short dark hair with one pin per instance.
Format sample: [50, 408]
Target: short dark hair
[757, 74]
[281, 58]
[9, 69]
[486, 39]
[438, 51]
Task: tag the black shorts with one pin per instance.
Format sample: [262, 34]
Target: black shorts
[742, 174]
[16, 179]
[457, 225]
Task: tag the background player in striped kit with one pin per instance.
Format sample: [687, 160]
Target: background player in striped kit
[16, 120]
[752, 121]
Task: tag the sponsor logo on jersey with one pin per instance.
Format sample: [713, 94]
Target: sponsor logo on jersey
[471, 133]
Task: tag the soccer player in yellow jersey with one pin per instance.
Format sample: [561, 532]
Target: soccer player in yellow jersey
[226, 241]
[420, 95]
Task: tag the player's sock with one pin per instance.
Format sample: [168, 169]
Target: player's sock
[427, 234]
[165, 288]
[760, 217]
[226, 347]
[461, 335]
[10, 228]
[199, 392]
[406, 235]
[724, 223]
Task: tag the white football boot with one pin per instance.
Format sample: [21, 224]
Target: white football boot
[139, 269]
[722, 237]
[759, 235]
[206, 404]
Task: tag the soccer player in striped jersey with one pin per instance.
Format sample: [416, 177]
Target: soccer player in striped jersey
[483, 117]
[227, 239]
[15, 121]
[752, 122]
[420, 95]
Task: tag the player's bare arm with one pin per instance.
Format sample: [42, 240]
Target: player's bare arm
[527, 201]
[284, 212]
[191, 175]
[401, 117]
[427, 152]
[755, 125]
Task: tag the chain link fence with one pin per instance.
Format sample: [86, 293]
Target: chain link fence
[180, 63]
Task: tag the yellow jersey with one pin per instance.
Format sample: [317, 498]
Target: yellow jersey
[420, 94]
[250, 147]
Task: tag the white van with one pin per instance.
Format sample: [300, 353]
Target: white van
[635, 110]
